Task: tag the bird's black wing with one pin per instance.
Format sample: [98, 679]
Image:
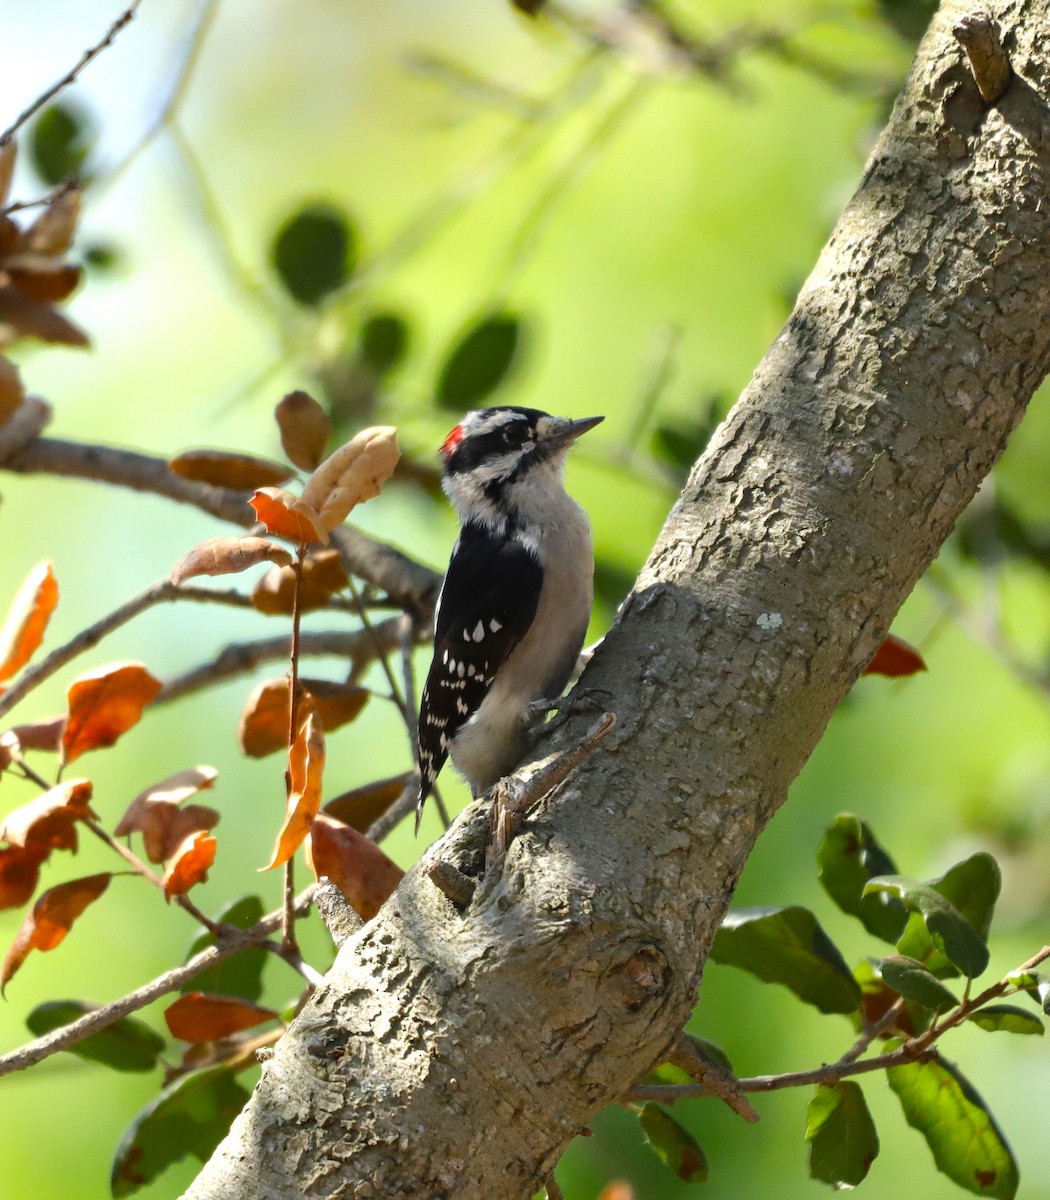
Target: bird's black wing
[487, 603]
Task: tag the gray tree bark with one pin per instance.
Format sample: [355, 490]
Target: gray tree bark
[454, 1054]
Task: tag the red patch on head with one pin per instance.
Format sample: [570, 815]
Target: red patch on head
[448, 446]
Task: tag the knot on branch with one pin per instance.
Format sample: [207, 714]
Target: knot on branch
[979, 36]
[644, 978]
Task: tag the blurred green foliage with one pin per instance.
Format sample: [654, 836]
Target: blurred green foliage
[634, 170]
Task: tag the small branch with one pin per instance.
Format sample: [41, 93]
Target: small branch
[717, 1080]
[979, 36]
[513, 799]
[340, 918]
[409, 584]
[124, 18]
[396, 813]
[917, 1049]
[294, 959]
[451, 882]
[288, 924]
[170, 981]
[552, 1189]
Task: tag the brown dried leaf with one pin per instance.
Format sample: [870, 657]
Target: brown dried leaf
[305, 429]
[223, 468]
[49, 821]
[37, 735]
[305, 773]
[51, 918]
[19, 873]
[11, 390]
[43, 279]
[103, 704]
[352, 474]
[264, 723]
[287, 516]
[354, 863]
[362, 806]
[22, 317]
[323, 575]
[157, 814]
[27, 619]
[199, 1017]
[227, 556]
[189, 864]
[53, 231]
[8, 155]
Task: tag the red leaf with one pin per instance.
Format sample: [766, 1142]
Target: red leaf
[51, 918]
[354, 863]
[895, 658]
[103, 704]
[198, 1017]
[157, 815]
[287, 516]
[19, 873]
[189, 864]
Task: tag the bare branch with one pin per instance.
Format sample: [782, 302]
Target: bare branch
[109, 1014]
[124, 19]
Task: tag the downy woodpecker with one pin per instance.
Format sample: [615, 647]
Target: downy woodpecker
[514, 607]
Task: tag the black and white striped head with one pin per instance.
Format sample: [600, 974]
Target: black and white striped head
[496, 458]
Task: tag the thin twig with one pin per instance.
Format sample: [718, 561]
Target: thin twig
[552, 1189]
[408, 583]
[160, 592]
[917, 1049]
[288, 925]
[124, 18]
[170, 981]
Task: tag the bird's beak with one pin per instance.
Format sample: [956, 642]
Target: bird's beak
[563, 431]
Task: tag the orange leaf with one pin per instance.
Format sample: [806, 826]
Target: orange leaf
[354, 863]
[323, 574]
[43, 279]
[51, 918]
[305, 429]
[19, 873]
[199, 1017]
[352, 474]
[895, 658]
[52, 232]
[157, 815]
[619, 1189]
[189, 864]
[223, 468]
[27, 619]
[361, 806]
[227, 556]
[49, 820]
[305, 772]
[103, 704]
[287, 516]
[264, 722]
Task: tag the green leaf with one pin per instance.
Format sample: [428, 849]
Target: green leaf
[841, 1134]
[877, 997]
[914, 982]
[60, 141]
[1007, 1018]
[480, 361]
[314, 252]
[709, 1050]
[239, 975]
[967, 1144]
[972, 886]
[127, 1045]
[674, 1144]
[908, 17]
[949, 930]
[849, 856]
[788, 946]
[383, 342]
[191, 1116]
[1036, 984]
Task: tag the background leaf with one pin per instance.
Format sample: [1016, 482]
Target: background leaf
[674, 1144]
[127, 1045]
[314, 252]
[480, 362]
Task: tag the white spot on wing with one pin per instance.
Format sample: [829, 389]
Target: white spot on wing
[495, 625]
[479, 631]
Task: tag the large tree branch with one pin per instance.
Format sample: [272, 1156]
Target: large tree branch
[454, 1053]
